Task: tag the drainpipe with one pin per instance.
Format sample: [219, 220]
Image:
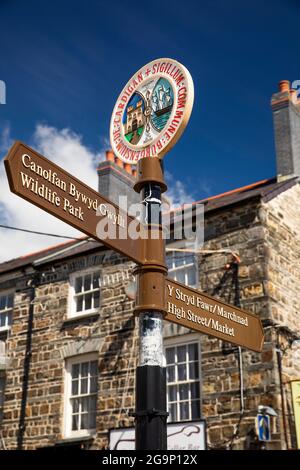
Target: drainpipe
[237, 303]
[32, 283]
[279, 364]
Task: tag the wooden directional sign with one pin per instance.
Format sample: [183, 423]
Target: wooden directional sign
[200, 312]
[46, 185]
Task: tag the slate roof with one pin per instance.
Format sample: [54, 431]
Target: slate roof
[65, 248]
[265, 190]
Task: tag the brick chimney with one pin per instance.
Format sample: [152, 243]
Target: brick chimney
[116, 178]
[286, 117]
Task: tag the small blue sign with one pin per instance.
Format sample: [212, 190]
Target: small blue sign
[263, 427]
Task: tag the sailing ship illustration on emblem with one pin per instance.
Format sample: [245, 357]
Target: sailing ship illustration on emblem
[148, 111]
[162, 103]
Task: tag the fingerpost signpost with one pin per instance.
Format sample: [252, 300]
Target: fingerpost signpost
[149, 116]
[41, 182]
[203, 313]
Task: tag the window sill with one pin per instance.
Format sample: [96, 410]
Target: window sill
[4, 329]
[79, 318]
[75, 439]
[78, 443]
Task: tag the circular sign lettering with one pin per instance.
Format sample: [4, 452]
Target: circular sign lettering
[152, 111]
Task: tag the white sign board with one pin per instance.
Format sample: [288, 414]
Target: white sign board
[181, 436]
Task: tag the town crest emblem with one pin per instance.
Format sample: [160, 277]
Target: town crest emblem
[152, 111]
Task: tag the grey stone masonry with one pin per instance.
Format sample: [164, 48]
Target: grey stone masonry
[114, 181]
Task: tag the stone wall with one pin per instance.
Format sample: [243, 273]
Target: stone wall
[112, 333]
[281, 222]
[238, 229]
[265, 237]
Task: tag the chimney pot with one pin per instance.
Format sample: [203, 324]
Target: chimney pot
[119, 162]
[110, 156]
[284, 85]
[127, 167]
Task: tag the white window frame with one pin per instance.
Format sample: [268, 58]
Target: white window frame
[184, 340]
[184, 245]
[2, 294]
[72, 295]
[67, 431]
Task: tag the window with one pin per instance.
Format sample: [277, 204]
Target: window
[6, 309]
[85, 293]
[182, 267]
[81, 395]
[183, 381]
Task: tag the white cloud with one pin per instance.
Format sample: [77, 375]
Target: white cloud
[5, 140]
[177, 193]
[65, 148]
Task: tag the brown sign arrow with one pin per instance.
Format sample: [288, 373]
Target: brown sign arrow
[46, 185]
[197, 311]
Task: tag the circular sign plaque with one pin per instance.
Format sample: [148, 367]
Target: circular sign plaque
[152, 111]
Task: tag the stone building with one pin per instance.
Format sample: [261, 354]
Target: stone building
[69, 339]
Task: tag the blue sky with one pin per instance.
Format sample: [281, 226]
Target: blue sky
[65, 62]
